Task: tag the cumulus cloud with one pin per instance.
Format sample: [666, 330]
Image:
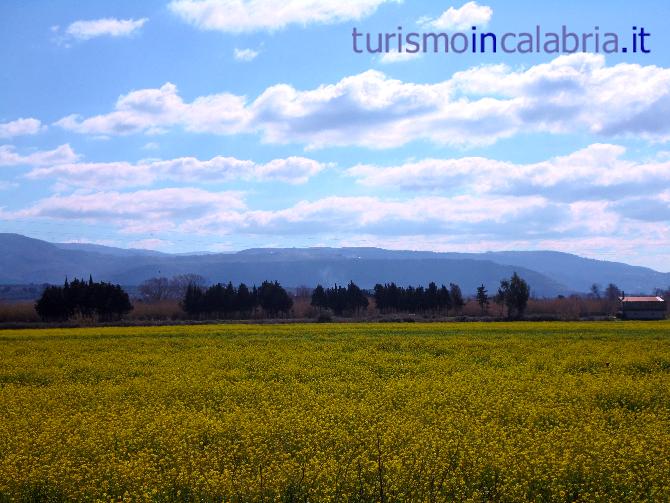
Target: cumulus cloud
[458, 222]
[96, 175]
[352, 215]
[593, 187]
[237, 16]
[245, 54]
[573, 93]
[470, 14]
[106, 27]
[193, 210]
[482, 218]
[153, 111]
[141, 211]
[20, 127]
[598, 172]
[59, 155]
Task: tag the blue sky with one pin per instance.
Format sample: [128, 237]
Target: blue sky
[229, 124]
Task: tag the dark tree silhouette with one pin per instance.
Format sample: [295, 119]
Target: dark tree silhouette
[456, 297]
[482, 298]
[246, 301]
[226, 301]
[274, 299]
[319, 298]
[84, 299]
[52, 306]
[515, 293]
[445, 299]
[339, 299]
[393, 298]
[194, 301]
[356, 299]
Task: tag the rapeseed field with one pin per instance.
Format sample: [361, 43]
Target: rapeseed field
[337, 412]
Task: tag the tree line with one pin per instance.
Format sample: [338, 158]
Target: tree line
[83, 299]
[106, 302]
[513, 294]
[390, 297]
[228, 301]
[340, 299]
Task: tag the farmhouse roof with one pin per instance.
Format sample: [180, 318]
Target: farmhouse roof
[642, 299]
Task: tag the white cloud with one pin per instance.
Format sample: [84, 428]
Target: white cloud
[356, 214]
[59, 155]
[107, 27]
[574, 93]
[470, 14]
[459, 222]
[245, 54]
[136, 212]
[20, 127]
[153, 111]
[237, 16]
[190, 210]
[393, 56]
[598, 172]
[477, 107]
[294, 170]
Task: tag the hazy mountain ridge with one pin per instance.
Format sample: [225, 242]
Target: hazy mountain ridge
[26, 260]
[109, 250]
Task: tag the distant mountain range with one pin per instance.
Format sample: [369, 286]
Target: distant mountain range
[24, 260]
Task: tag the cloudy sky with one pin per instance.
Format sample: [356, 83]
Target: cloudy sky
[227, 124]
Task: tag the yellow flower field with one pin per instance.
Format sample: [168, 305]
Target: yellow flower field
[337, 412]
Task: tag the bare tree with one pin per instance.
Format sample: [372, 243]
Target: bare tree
[155, 289]
[179, 284]
[595, 291]
[612, 292]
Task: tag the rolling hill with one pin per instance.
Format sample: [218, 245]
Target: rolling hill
[26, 260]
